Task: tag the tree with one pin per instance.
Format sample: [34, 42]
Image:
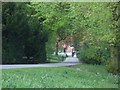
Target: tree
[14, 26]
[113, 65]
[23, 34]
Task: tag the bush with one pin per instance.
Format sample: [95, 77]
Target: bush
[93, 55]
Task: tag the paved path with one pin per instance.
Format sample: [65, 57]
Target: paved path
[64, 63]
[72, 60]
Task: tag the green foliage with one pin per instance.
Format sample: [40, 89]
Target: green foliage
[80, 76]
[14, 25]
[23, 34]
[89, 55]
[50, 45]
[115, 43]
[94, 54]
[28, 26]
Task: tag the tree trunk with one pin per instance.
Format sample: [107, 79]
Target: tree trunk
[56, 53]
[115, 50]
[114, 53]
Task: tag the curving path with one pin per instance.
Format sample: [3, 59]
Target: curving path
[67, 62]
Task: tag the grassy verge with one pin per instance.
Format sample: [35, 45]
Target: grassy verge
[54, 58]
[80, 76]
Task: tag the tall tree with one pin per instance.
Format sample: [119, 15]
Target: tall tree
[113, 65]
[14, 26]
[23, 33]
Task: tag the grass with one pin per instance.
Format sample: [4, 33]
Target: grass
[80, 76]
[54, 58]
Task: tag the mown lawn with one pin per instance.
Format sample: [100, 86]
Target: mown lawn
[80, 76]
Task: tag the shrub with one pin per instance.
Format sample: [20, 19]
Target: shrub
[93, 55]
